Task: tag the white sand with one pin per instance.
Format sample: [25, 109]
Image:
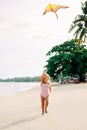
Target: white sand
[67, 109]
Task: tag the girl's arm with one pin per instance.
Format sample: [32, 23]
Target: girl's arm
[50, 88]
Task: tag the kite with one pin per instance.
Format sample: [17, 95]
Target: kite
[53, 8]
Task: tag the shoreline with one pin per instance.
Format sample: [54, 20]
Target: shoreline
[53, 85]
[9, 89]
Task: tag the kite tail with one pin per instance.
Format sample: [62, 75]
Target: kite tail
[56, 15]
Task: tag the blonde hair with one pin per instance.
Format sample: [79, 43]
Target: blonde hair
[45, 78]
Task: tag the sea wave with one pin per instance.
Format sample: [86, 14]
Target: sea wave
[10, 88]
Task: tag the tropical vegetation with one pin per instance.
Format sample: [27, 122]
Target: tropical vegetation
[68, 58]
[79, 25]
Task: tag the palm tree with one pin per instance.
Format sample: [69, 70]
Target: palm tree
[80, 24]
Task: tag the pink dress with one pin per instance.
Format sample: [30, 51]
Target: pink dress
[44, 90]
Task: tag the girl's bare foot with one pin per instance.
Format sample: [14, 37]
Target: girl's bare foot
[42, 112]
[45, 110]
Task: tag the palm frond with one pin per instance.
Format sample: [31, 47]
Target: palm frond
[79, 25]
[84, 7]
[72, 27]
[77, 33]
[82, 33]
[79, 18]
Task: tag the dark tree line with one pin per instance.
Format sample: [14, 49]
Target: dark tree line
[21, 79]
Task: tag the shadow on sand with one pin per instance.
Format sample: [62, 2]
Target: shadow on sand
[31, 118]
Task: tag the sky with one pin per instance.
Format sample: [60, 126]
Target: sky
[26, 35]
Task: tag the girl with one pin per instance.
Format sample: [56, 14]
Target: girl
[45, 89]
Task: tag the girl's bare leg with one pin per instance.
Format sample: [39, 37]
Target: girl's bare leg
[46, 104]
[42, 104]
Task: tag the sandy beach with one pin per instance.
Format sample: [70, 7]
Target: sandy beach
[67, 109]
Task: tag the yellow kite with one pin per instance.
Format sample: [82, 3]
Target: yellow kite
[53, 8]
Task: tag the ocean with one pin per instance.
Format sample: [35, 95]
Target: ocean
[10, 88]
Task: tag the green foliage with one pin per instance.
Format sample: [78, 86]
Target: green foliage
[79, 25]
[68, 58]
[84, 7]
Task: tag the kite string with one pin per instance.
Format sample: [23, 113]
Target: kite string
[56, 15]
